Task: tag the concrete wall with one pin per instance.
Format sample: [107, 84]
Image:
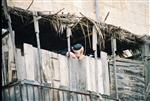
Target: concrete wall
[131, 15]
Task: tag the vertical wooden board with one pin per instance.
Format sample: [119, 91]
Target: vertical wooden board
[65, 96]
[29, 61]
[64, 80]
[88, 98]
[6, 95]
[23, 72]
[56, 69]
[83, 97]
[30, 92]
[88, 79]
[51, 94]
[46, 66]
[11, 54]
[106, 83]
[45, 94]
[3, 96]
[74, 97]
[3, 79]
[61, 95]
[36, 94]
[18, 93]
[36, 64]
[56, 97]
[78, 74]
[81, 70]
[56, 66]
[79, 97]
[92, 74]
[20, 65]
[12, 93]
[100, 85]
[24, 93]
[74, 77]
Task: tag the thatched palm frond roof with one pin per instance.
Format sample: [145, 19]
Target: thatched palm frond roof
[84, 25]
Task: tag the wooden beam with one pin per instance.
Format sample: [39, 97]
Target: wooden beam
[114, 48]
[94, 42]
[36, 28]
[69, 33]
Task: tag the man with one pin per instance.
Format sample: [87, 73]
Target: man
[77, 52]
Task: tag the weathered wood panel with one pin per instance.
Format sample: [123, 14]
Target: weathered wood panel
[64, 80]
[130, 79]
[100, 85]
[20, 66]
[36, 64]
[92, 74]
[56, 69]
[29, 61]
[105, 71]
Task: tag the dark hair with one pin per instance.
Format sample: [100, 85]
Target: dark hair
[77, 46]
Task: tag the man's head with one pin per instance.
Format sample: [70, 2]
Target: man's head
[78, 50]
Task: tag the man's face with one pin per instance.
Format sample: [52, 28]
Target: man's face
[77, 53]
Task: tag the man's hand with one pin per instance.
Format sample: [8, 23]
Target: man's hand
[72, 55]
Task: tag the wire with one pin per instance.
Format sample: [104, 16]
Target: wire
[30, 5]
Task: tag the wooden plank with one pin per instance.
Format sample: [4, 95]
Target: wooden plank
[46, 66]
[29, 61]
[36, 64]
[30, 92]
[18, 98]
[129, 60]
[51, 95]
[11, 62]
[56, 98]
[88, 80]
[92, 74]
[20, 65]
[122, 63]
[78, 74]
[73, 74]
[64, 80]
[45, 94]
[79, 97]
[60, 95]
[65, 96]
[55, 64]
[12, 93]
[36, 94]
[56, 68]
[130, 78]
[74, 97]
[24, 93]
[81, 70]
[105, 71]
[100, 82]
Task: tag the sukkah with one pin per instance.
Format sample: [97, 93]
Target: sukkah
[81, 28]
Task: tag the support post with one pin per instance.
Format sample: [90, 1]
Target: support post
[36, 28]
[146, 55]
[94, 42]
[69, 33]
[4, 68]
[114, 48]
[12, 37]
